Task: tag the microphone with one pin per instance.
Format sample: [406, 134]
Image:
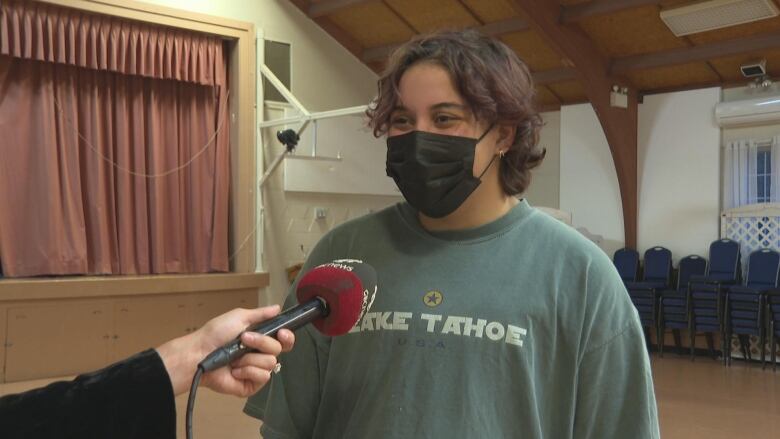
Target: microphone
[334, 296]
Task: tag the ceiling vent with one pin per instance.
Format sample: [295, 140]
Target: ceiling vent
[716, 14]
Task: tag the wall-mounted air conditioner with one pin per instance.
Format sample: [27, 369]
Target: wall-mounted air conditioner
[760, 111]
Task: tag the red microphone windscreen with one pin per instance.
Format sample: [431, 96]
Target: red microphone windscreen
[347, 289]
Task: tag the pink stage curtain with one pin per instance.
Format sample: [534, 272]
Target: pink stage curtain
[114, 147]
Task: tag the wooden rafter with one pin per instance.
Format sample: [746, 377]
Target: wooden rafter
[552, 76]
[619, 124]
[492, 29]
[702, 52]
[581, 11]
[326, 7]
[569, 14]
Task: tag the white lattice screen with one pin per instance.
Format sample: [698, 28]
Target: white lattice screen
[755, 227]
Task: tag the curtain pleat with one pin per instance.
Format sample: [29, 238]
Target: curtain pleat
[43, 32]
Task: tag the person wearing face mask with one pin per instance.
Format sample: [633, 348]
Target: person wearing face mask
[493, 320]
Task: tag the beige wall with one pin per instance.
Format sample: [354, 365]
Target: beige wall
[545, 189]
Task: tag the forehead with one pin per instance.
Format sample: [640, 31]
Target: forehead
[426, 84]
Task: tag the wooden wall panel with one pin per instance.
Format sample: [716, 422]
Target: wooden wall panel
[207, 306]
[3, 340]
[146, 322]
[57, 340]
[74, 320]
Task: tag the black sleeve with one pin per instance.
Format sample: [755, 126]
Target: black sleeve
[130, 399]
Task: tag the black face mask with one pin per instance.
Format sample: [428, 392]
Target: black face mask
[434, 171]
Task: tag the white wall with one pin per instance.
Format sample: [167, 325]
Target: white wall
[546, 179]
[679, 172]
[589, 186]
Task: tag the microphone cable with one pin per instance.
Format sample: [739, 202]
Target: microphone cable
[191, 400]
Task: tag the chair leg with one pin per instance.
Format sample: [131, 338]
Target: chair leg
[772, 345]
[762, 343]
[744, 346]
[677, 340]
[710, 344]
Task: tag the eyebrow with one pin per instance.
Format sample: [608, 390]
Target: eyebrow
[439, 106]
[448, 105]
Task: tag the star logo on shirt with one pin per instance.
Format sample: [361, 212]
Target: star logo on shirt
[432, 299]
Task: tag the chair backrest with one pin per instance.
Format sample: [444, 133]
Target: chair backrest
[763, 269]
[658, 265]
[724, 260]
[626, 261]
[692, 265]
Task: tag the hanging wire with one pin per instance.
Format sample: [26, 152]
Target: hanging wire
[130, 171]
[161, 174]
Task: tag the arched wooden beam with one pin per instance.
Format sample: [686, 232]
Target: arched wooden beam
[619, 124]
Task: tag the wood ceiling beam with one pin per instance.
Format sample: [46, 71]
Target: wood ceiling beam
[620, 124]
[569, 14]
[702, 52]
[492, 29]
[578, 12]
[553, 76]
[326, 7]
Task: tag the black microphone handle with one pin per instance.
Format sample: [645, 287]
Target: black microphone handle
[291, 319]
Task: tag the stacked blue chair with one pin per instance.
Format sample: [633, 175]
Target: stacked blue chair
[626, 261]
[745, 311]
[706, 298]
[773, 318]
[656, 277]
[673, 309]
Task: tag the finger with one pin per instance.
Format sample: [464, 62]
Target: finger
[263, 361]
[256, 315]
[262, 343]
[256, 375]
[286, 338]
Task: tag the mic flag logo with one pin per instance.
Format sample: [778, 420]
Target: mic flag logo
[433, 298]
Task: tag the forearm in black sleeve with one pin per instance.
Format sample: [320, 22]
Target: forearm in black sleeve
[130, 399]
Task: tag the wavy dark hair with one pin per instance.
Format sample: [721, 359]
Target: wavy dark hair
[495, 83]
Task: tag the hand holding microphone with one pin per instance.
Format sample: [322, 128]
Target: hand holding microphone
[333, 297]
[245, 377]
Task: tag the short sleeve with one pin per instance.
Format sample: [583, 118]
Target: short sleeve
[289, 403]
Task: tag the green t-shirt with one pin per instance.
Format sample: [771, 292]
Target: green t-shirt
[518, 328]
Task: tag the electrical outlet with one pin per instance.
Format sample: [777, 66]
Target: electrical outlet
[320, 213]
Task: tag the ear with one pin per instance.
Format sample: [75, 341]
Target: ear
[506, 135]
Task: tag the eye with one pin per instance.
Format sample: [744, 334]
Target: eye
[444, 119]
[400, 121]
